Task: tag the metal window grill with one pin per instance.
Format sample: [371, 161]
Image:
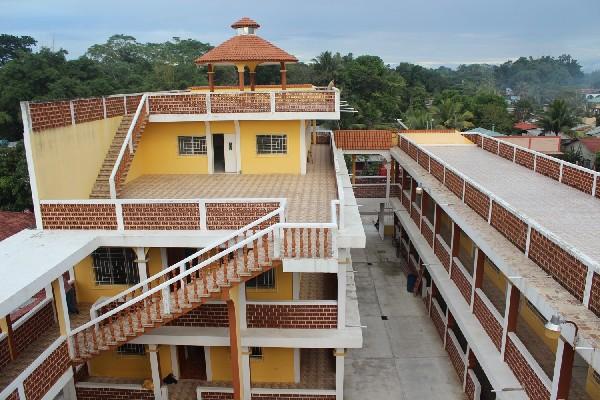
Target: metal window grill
[132, 349]
[115, 266]
[256, 352]
[192, 145]
[266, 280]
[271, 144]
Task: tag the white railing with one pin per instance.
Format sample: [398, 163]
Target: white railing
[338, 181]
[128, 142]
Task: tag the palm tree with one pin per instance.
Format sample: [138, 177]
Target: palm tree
[558, 118]
[417, 118]
[326, 66]
[451, 115]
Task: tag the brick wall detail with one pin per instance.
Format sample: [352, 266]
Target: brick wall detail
[412, 151]
[461, 281]
[177, 104]
[478, 201]
[506, 151]
[115, 106]
[427, 232]
[564, 268]
[490, 145]
[35, 326]
[207, 315]
[297, 101]
[90, 393]
[133, 103]
[456, 356]
[524, 158]
[578, 179]
[230, 216]
[549, 168]
[300, 316]
[442, 254]
[167, 216]
[86, 110]
[469, 387]
[44, 376]
[454, 183]
[509, 225]
[534, 387]
[438, 320]
[240, 102]
[415, 214]
[13, 396]
[216, 396]
[79, 216]
[489, 322]
[437, 170]
[4, 353]
[423, 160]
[595, 295]
[50, 115]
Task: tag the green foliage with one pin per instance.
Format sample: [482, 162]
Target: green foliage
[450, 113]
[573, 156]
[524, 109]
[12, 46]
[15, 194]
[559, 117]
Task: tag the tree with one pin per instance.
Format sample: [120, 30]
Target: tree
[417, 119]
[15, 194]
[597, 161]
[326, 67]
[558, 118]
[451, 114]
[524, 109]
[11, 46]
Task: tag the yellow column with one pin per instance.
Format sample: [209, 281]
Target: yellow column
[60, 305]
[240, 69]
[6, 326]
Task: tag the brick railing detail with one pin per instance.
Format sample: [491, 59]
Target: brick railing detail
[566, 269]
[415, 214]
[236, 215]
[533, 385]
[595, 294]
[240, 103]
[547, 167]
[105, 393]
[132, 103]
[207, 315]
[4, 352]
[216, 396]
[457, 357]
[469, 387]
[79, 216]
[312, 101]
[462, 282]
[406, 201]
[423, 159]
[524, 158]
[598, 186]
[437, 170]
[44, 376]
[441, 253]
[404, 144]
[581, 180]
[35, 326]
[478, 201]
[490, 324]
[454, 183]
[50, 115]
[292, 316]
[438, 318]
[490, 145]
[166, 216]
[427, 232]
[115, 106]
[509, 225]
[88, 110]
[13, 396]
[506, 151]
[291, 396]
[363, 139]
[177, 104]
[412, 151]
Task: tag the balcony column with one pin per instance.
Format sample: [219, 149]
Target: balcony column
[283, 73]
[387, 184]
[60, 305]
[252, 69]
[234, 346]
[245, 365]
[154, 367]
[240, 69]
[211, 78]
[339, 373]
[142, 263]
[6, 326]
[563, 369]
[511, 313]
[354, 169]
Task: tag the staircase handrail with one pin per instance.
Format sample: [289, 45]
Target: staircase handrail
[141, 284]
[126, 143]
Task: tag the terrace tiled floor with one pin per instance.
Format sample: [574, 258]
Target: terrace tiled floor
[309, 196]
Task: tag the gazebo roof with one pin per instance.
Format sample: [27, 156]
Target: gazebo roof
[245, 47]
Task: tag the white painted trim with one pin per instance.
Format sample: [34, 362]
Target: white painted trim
[296, 285]
[110, 385]
[477, 394]
[208, 363]
[342, 281]
[509, 289]
[557, 366]
[142, 264]
[72, 108]
[27, 132]
[175, 360]
[210, 151]
[296, 365]
[202, 213]
[303, 152]
[339, 374]
[104, 107]
[238, 146]
[587, 292]
[155, 368]
[246, 373]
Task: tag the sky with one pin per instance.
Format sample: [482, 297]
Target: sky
[425, 32]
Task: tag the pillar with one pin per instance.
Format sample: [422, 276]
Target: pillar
[142, 263]
[211, 78]
[511, 313]
[563, 369]
[234, 346]
[341, 290]
[381, 220]
[154, 366]
[245, 363]
[252, 69]
[339, 373]
[283, 72]
[387, 185]
[60, 306]
[6, 326]
[240, 69]
[354, 169]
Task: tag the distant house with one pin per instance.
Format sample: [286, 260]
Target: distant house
[527, 128]
[484, 131]
[588, 147]
[14, 222]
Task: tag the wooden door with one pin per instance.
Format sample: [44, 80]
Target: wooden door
[192, 364]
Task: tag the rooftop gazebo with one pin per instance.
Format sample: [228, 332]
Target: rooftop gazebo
[246, 49]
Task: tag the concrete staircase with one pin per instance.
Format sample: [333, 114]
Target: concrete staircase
[101, 189]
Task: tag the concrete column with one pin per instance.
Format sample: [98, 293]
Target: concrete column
[154, 366]
[245, 366]
[297, 376]
[477, 273]
[382, 220]
[242, 304]
[175, 362]
[60, 306]
[387, 183]
[69, 392]
[296, 285]
[234, 346]
[511, 313]
[283, 73]
[563, 369]
[6, 326]
[210, 151]
[341, 281]
[240, 70]
[339, 373]
[211, 78]
[303, 152]
[142, 263]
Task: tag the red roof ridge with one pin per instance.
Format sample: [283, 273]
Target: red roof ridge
[245, 22]
[246, 48]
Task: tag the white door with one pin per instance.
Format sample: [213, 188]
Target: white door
[230, 152]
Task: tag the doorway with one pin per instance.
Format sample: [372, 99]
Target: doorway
[224, 153]
[192, 364]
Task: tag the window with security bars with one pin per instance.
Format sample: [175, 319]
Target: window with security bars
[271, 144]
[256, 352]
[115, 266]
[266, 280]
[192, 145]
[130, 349]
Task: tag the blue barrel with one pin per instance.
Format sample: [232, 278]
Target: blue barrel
[411, 279]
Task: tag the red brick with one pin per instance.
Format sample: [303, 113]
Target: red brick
[301, 316]
[478, 201]
[509, 225]
[534, 387]
[489, 322]
[547, 167]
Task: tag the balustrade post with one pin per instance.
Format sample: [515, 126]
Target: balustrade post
[166, 298]
[277, 243]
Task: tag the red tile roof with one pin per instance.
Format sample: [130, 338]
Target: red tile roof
[592, 144]
[246, 48]
[15, 222]
[524, 126]
[245, 22]
[363, 139]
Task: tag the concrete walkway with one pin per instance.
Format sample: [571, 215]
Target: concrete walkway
[403, 356]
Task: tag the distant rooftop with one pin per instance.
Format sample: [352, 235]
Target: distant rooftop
[14, 222]
[484, 131]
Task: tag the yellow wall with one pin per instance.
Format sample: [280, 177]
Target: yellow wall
[220, 361]
[154, 261]
[67, 160]
[158, 150]
[494, 275]
[276, 365]
[283, 288]
[592, 387]
[536, 325]
[112, 364]
[85, 283]
[164, 359]
[253, 163]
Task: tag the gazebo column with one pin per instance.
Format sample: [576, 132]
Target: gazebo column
[211, 78]
[252, 69]
[240, 69]
[283, 72]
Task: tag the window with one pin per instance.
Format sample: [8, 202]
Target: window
[428, 207]
[132, 349]
[271, 144]
[445, 228]
[266, 280]
[115, 266]
[466, 252]
[256, 352]
[192, 145]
